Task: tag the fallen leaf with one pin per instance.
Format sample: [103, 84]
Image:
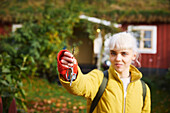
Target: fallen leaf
[64, 105]
[49, 102]
[82, 107]
[53, 100]
[58, 105]
[57, 109]
[69, 103]
[74, 107]
[62, 97]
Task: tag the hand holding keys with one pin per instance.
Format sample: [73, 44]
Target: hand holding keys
[70, 71]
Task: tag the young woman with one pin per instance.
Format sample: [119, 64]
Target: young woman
[123, 93]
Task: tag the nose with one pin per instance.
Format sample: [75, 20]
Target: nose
[118, 57]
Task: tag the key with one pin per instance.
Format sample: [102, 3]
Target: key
[73, 51]
[72, 74]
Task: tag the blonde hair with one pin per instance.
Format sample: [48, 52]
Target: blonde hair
[124, 40]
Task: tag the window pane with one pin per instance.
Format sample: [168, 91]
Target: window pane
[136, 34]
[138, 43]
[147, 44]
[147, 34]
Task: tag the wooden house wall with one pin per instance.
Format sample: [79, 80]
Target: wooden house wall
[162, 58]
[5, 28]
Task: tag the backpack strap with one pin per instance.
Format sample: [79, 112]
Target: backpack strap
[100, 91]
[144, 91]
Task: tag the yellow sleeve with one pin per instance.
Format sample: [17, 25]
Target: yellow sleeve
[85, 85]
[147, 103]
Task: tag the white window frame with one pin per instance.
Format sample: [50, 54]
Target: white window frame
[142, 28]
[15, 27]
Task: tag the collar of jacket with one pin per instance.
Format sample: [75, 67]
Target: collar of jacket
[135, 73]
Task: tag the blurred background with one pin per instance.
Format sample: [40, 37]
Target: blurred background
[32, 32]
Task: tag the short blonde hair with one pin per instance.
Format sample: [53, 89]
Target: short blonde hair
[123, 40]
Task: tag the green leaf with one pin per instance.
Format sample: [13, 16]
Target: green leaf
[31, 59]
[23, 68]
[5, 70]
[4, 82]
[22, 92]
[8, 78]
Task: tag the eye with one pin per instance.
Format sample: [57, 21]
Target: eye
[112, 52]
[124, 53]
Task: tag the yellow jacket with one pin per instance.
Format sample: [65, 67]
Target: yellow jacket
[112, 100]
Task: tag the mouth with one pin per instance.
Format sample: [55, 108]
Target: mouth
[118, 65]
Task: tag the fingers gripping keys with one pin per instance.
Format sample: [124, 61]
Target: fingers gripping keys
[67, 65]
[61, 66]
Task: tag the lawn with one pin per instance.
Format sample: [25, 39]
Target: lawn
[160, 93]
[160, 100]
[43, 97]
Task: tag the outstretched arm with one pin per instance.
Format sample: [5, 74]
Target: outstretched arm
[84, 85]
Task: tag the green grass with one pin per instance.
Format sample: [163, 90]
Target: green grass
[160, 100]
[43, 97]
[160, 93]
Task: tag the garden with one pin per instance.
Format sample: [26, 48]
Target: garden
[28, 56]
[42, 96]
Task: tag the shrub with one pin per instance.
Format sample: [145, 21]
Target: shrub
[32, 50]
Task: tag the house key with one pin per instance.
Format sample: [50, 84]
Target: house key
[72, 76]
[70, 71]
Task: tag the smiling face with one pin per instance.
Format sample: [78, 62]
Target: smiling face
[121, 60]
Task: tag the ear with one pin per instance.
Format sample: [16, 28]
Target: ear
[134, 56]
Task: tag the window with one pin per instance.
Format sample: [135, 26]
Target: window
[15, 27]
[146, 38]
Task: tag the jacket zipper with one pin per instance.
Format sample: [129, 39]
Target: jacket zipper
[124, 99]
[126, 95]
[123, 110]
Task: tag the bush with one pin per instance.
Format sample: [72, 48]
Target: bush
[11, 80]
[32, 50]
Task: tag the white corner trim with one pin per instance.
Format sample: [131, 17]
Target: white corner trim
[15, 27]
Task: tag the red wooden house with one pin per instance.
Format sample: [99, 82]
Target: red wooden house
[150, 20]
[153, 45]
[150, 23]
[153, 39]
